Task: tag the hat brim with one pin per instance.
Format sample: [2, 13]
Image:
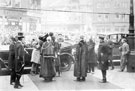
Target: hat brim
[101, 37]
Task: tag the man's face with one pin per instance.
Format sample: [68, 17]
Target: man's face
[101, 40]
[23, 40]
[122, 41]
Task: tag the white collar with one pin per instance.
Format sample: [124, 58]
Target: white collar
[20, 41]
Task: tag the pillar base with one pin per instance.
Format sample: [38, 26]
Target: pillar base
[131, 42]
[131, 62]
[131, 58]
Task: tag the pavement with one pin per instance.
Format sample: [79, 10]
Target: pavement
[117, 81]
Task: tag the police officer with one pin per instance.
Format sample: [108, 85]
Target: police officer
[103, 56]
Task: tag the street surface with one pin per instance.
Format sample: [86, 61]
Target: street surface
[117, 81]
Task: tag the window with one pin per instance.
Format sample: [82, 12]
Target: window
[99, 5]
[117, 29]
[108, 29]
[103, 30]
[99, 17]
[106, 16]
[122, 29]
[123, 16]
[117, 16]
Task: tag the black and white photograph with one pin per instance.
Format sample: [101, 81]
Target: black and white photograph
[67, 45]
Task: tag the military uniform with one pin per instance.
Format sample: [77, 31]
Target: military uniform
[103, 56]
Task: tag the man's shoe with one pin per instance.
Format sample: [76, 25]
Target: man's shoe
[16, 87]
[12, 83]
[83, 79]
[20, 85]
[92, 72]
[120, 70]
[32, 73]
[78, 79]
[103, 81]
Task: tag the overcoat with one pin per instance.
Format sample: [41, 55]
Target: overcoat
[103, 54]
[19, 55]
[47, 63]
[80, 67]
[56, 50]
[111, 46]
[92, 58]
[11, 57]
[124, 49]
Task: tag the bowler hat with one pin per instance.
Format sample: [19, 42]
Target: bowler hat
[20, 35]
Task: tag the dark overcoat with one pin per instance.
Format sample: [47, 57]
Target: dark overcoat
[81, 59]
[19, 55]
[11, 57]
[103, 54]
[92, 58]
[56, 50]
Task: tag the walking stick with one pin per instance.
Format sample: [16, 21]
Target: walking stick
[23, 79]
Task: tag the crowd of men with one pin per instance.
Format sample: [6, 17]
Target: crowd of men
[46, 52]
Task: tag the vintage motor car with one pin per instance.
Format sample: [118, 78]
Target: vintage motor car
[66, 57]
[116, 39]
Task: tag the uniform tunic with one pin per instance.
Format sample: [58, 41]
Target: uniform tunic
[103, 54]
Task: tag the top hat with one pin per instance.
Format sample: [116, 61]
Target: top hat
[20, 35]
[101, 37]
